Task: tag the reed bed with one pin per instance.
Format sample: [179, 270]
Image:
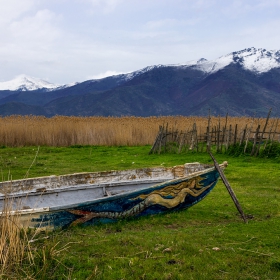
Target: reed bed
[17, 131]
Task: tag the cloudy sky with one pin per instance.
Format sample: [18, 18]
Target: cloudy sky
[64, 41]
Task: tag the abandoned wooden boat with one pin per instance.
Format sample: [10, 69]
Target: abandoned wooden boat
[89, 198]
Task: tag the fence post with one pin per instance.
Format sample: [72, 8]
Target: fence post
[267, 118]
[208, 145]
[235, 134]
[255, 139]
[218, 136]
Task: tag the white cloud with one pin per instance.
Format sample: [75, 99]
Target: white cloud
[12, 9]
[203, 4]
[267, 3]
[37, 29]
[171, 23]
[107, 6]
[67, 40]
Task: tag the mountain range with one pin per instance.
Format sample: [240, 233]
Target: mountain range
[242, 83]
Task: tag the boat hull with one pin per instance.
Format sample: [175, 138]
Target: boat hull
[170, 195]
[166, 197]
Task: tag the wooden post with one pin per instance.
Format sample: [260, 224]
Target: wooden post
[153, 149]
[248, 135]
[176, 141]
[269, 134]
[229, 137]
[230, 190]
[195, 135]
[225, 128]
[165, 135]
[235, 135]
[273, 135]
[242, 138]
[255, 139]
[218, 136]
[160, 139]
[261, 138]
[182, 136]
[208, 145]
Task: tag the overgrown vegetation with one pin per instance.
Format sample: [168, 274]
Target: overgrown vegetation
[268, 149]
[208, 241]
[14, 244]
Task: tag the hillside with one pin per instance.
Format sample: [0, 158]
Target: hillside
[240, 83]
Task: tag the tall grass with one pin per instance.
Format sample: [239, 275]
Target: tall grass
[14, 244]
[17, 256]
[16, 131]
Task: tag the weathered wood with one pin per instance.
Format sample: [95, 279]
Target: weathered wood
[261, 138]
[175, 141]
[248, 135]
[228, 137]
[172, 140]
[195, 135]
[235, 135]
[255, 140]
[218, 136]
[160, 139]
[230, 190]
[181, 141]
[224, 130]
[165, 138]
[273, 136]
[156, 141]
[208, 145]
[242, 138]
[269, 134]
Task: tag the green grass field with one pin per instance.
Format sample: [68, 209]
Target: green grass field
[208, 241]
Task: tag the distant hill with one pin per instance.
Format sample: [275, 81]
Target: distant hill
[240, 83]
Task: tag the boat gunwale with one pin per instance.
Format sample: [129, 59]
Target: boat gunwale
[79, 187]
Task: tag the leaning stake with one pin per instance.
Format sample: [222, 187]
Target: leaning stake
[230, 190]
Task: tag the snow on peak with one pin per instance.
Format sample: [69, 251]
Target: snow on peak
[256, 60]
[131, 75]
[201, 60]
[25, 83]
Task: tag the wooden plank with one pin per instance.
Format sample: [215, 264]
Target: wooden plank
[230, 190]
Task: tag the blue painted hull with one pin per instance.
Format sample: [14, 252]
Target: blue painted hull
[169, 196]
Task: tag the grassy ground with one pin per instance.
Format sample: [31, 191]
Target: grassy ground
[208, 241]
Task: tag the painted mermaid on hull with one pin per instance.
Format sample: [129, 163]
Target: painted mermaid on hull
[169, 197]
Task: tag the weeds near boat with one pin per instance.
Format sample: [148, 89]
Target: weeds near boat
[14, 244]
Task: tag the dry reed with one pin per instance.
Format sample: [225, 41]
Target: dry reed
[16, 131]
[14, 244]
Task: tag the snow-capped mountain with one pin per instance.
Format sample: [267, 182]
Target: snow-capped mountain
[26, 83]
[248, 84]
[252, 59]
[255, 60]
